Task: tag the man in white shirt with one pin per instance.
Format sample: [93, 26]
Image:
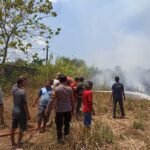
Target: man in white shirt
[56, 81]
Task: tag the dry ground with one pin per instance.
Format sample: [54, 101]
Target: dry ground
[131, 133]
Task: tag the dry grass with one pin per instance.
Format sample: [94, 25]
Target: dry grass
[131, 133]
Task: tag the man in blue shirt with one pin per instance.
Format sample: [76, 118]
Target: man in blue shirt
[44, 98]
[118, 95]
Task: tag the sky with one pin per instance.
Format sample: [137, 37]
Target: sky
[105, 33]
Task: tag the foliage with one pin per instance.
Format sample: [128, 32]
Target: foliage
[21, 21]
[72, 67]
[138, 125]
[36, 60]
[38, 72]
[102, 134]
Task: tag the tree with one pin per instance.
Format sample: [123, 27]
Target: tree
[36, 60]
[20, 21]
[71, 67]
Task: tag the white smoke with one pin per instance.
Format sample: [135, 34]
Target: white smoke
[136, 80]
[113, 33]
[109, 33]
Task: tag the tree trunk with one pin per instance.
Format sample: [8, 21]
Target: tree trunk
[6, 50]
[5, 55]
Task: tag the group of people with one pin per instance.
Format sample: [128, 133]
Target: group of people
[66, 96]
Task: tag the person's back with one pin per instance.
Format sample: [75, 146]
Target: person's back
[80, 88]
[63, 94]
[118, 94]
[19, 99]
[74, 88]
[45, 95]
[87, 100]
[20, 113]
[64, 102]
[118, 90]
[87, 104]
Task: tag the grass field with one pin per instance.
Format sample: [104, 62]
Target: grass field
[131, 133]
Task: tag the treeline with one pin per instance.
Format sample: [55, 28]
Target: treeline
[37, 70]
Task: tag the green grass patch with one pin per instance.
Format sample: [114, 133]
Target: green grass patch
[138, 124]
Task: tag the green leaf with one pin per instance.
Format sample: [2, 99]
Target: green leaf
[1, 42]
[54, 14]
[22, 49]
[29, 45]
[24, 21]
[56, 33]
[13, 44]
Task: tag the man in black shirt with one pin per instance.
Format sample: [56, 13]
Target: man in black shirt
[118, 95]
[80, 89]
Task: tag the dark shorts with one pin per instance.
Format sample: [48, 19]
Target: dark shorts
[41, 114]
[87, 119]
[21, 122]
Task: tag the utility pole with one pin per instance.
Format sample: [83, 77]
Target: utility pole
[47, 47]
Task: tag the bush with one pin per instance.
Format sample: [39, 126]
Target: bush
[138, 125]
[99, 135]
[38, 72]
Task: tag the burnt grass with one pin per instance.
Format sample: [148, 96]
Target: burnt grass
[131, 133]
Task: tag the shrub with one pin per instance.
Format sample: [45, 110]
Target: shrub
[138, 125]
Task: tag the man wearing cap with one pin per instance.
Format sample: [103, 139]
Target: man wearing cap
[118, 95]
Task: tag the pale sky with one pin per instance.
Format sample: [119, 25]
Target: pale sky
[105, 33]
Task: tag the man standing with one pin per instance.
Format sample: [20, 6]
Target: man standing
[74, 86]
[88, 104]
[24, 80]
[20, 113]
[1, 108]
[56, 81]
[64, 102]
[44, 97]
[80, 90]
[118, 95]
